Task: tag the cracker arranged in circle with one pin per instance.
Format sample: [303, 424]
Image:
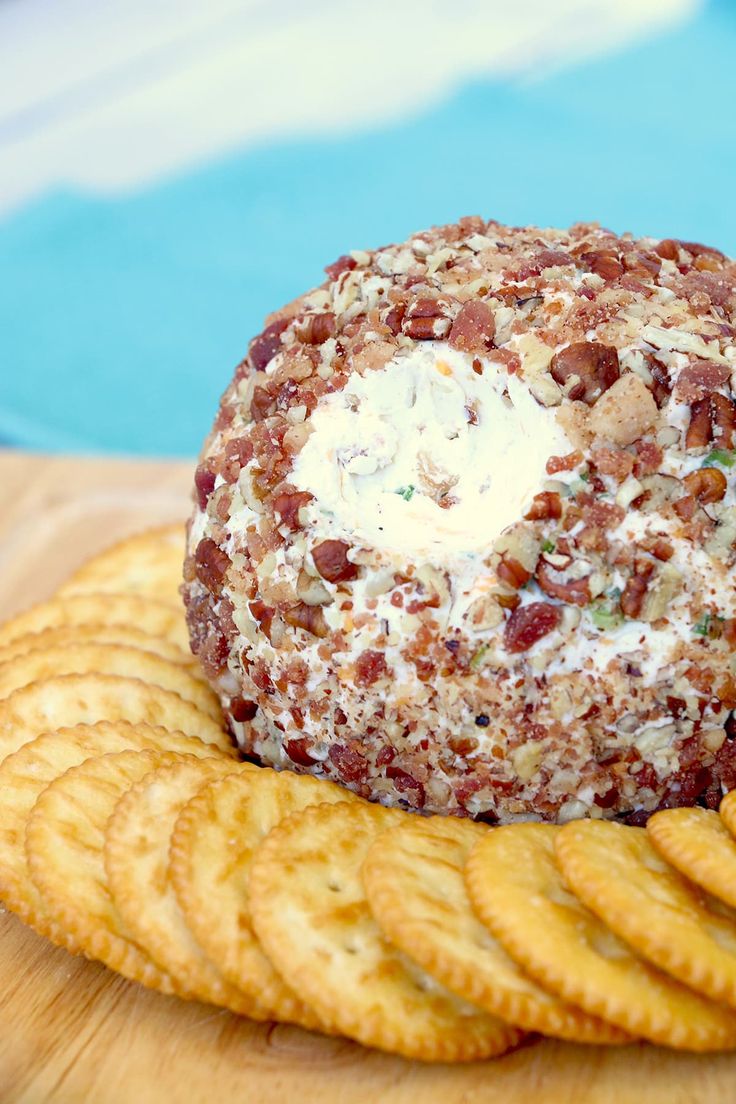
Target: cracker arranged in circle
[311, 915]
[24, 775]
[148, 564]
[212, 849]
[517, 889]
[128, 635]
[414, 879]
[65, 838]
[156, 618]
[69, 700]
[136, 856]
[108, 659]
[622, 878]
[698, 844]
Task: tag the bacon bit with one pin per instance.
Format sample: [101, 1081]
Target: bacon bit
[603, 263]
[602, 515]
[632, 599]
[545, 506]
[545, 258]
[263, 614]
[204, 485]
[298, 751]
[697, 380]
[474, 328]
[370, 666]
[425, 320]
[513, 573]
[315, 329]
[405, 784]
[700, 427]
[569, 462]
[528, 624]
[344, 263]
[210, 565]
[572, 591]
[242, 710]
[511, 361]
[595, 367]
[649, 458]
[287, 505]
[264, 347]
[309, 618]
[350, 765]
[238, 453]
[617, 463]
[706, 485]
[262, 404]
[331, 560]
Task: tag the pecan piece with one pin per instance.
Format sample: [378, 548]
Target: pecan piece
[697, 380]
[699, 429]
[287, 505]
[635, 590]
[723, 415]
[706, 485]
[426, 320]
[590, 367]
[315, 329]
[528, 624]
[513, 573]
[344, 263]
[309, 618]
[370, 666]
[474, 328]
[545, 506]
[210, 565]
[264, 347]
[603, 263]
[331, 560]
[204, 485]
[556, 584]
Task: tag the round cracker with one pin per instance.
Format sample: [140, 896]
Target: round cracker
[65, 838]
[698, 844]
[414, 879]
[148, 564]
[619, 875]
[69, 700]
[212, 849]
[136, 856]
[128, 635]
[727, 811]
[517, 890]
[108, 659]
[312, 917]
[152, 617]
[24, 775]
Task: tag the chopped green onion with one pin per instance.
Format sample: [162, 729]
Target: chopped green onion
[548, 546]
[406, 492]
[476, 660]
[585, 476]
[709, 626]
[605, 618]
[720, 456]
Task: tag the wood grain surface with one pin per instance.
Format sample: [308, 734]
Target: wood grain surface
[71, 1032]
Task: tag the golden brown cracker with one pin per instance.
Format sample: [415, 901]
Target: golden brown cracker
[727, 811]
[70, 700]
[136, 855]
[155, 618]
[414, 879]
[149, 564]
[517, 889]
[65, 838]
[212, 849]
[698, 844]
[66, 635]
[108, 659]
[311, 915]
[24, 775]
[669, 921]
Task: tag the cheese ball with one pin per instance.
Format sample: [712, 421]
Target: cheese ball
[464, 529]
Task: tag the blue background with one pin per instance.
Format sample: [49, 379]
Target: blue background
[121, 319]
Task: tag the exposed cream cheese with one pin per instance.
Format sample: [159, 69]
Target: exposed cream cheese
[428, 456]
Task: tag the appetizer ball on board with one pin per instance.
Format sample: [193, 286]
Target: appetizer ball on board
[465, 526]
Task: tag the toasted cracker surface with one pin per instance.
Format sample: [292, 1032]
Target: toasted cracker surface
[519, 892]
[148, 564]
[109, 608]
[698, 844]
[311, 914]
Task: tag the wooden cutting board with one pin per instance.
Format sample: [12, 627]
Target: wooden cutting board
[73, 1033]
